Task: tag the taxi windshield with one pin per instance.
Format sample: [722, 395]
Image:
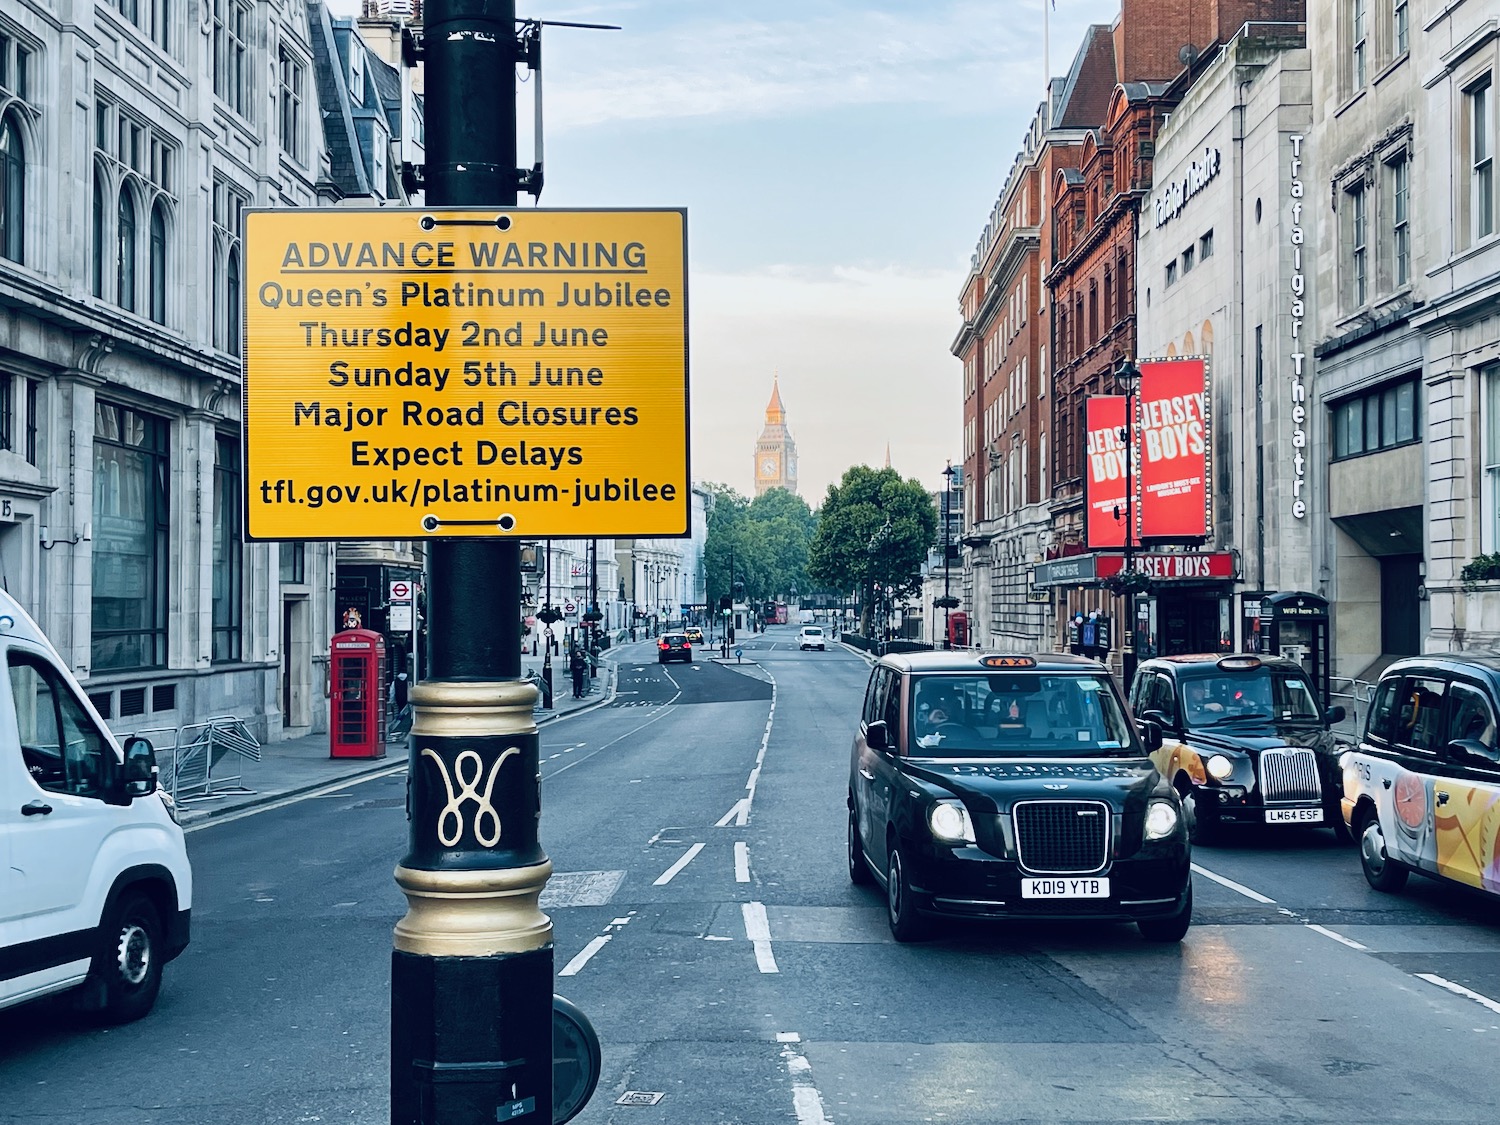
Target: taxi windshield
[1001, 715]
[1225, 696]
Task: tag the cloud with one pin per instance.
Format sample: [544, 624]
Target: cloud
[820, 56]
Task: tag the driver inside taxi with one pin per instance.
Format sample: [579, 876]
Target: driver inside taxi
[936, 707]
[1200, 704]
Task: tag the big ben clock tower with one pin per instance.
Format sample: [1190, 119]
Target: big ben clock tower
[775, 451]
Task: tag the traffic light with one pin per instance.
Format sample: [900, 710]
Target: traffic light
[726, 603]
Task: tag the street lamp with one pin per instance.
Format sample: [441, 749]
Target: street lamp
[876, 550]
[1128, 378]
[947, 601]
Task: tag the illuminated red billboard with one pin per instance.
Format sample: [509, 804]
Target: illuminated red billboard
[1104, 472]
[1173, 444]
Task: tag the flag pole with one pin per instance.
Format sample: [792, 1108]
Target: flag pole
[1047, 45]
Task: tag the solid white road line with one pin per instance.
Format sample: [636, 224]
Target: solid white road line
[671, 873]
[1340, 938]
[758, 930]
[735, 810]
[578, 962]
[1460, 990]
[741, 862]
[1255, 896]
[807, 1103]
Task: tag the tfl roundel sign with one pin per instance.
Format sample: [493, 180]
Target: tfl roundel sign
[400, 591]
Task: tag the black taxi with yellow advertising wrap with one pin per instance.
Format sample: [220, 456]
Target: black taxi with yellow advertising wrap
[1245, 740]
[999, 786]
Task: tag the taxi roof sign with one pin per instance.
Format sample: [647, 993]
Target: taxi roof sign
[1239, 663]
[419, 373]
[1008, 661]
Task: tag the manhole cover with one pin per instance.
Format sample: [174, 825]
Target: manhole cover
[639, 1097]
[581, 888]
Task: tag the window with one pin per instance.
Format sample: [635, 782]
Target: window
[228, 224]
[1358, 52]
[1469, 717]
[131, 562]
[231, 24]
[356, 71]
[7, 407]
[125, 263]
[293, 564]
[15, 66]
[228, 567]
[158, 278]
[100, 227]
[1417, 715]
[1378, 419]
[1171, 273]
[1400, 184]
[1206, 247]
[1358, 262]
[12, 190]
[1490, 531]
[293, 94]
[1400, 28]
[153, 17]
[1481, 160]
[64, 752]
[31, 392]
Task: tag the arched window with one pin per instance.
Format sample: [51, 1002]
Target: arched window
[1206, 338]
[12, 190]
[99, 227]
[158, 264]
[232, 303]
[1187, 344]
[125, 267]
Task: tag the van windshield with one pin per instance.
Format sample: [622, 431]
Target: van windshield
[1005, 715]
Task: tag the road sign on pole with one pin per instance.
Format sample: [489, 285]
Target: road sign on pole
[401, 590]
[478, 372]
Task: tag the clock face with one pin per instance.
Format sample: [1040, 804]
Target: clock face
[768, 467]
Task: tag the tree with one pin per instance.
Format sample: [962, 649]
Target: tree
[767, 539]
[873, 529]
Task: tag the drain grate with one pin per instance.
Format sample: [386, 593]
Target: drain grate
[639, 1097]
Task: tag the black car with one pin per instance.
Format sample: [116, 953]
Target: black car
[1245, 740]
[674, 646]
[998, 786]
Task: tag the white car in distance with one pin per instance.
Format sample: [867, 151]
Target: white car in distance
[810, 637]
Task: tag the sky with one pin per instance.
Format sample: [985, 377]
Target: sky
[838, 160]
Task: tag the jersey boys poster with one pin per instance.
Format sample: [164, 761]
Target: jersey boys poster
[1172, 442]
[1105, 471]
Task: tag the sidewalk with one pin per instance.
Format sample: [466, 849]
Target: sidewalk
[297, 766]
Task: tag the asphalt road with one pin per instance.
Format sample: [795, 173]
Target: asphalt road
[704, 921]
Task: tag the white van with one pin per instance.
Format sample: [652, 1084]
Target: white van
[95, 887]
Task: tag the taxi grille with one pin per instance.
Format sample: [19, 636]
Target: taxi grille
[1062, 837]
[1289, 774]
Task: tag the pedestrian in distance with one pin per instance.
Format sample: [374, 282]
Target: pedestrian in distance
[578, 666]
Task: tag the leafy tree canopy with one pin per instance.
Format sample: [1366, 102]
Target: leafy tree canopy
[764, 541]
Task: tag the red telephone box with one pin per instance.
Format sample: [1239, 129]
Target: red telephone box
[356, 723]
[958, 630]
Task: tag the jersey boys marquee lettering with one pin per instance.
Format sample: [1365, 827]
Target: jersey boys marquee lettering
[413, 373]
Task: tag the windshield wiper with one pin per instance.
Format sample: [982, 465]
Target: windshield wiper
[1255, 715]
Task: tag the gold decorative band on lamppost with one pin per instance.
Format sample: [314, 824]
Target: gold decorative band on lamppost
[473, 913]
[473, 709]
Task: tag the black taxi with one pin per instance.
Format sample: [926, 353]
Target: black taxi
[1001, 786]
[1245, 740]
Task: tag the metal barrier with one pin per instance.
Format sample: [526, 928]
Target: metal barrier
[1354, 695]
[189, 757]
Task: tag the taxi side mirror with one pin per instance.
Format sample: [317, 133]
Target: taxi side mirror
[138, 777]
[878, 735]
[1334, 715]
[1157, 718]
[1150, 734]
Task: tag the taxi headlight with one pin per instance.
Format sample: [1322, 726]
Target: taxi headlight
[1161, 820]
[950, 823]
[1219, 767]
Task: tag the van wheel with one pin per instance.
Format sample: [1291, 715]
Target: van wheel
[906, 924]
[129, 959]
[1381, 871]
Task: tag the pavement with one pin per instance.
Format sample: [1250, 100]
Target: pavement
[295, 767]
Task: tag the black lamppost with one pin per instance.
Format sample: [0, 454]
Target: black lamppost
[593, 616]
[876, 551]
[947, 601]
[1128, 377]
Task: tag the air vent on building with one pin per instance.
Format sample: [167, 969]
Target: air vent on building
[103, 702]
[164, 697]
[132, 701]
[1147, 149]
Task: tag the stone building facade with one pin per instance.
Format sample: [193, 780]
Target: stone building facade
[133, 139]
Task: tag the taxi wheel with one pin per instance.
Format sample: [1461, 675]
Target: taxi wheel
[1170, 929]
[906, 924]
[1381, 871]
[859, 870]
[1203, 826]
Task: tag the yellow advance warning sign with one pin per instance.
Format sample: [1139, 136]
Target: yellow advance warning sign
[444, 373]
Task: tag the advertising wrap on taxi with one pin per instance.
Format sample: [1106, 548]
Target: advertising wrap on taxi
[1173, 447]
[1104, 497]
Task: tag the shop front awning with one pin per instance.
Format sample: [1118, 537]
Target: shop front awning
[1159, 566]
